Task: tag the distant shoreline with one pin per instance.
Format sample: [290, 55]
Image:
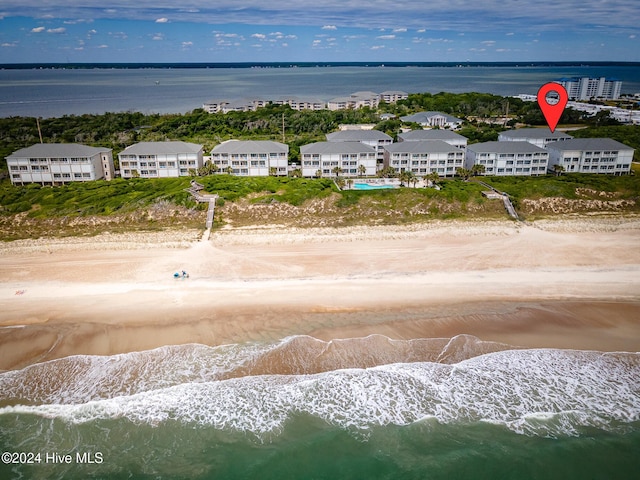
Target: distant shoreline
[199, 65]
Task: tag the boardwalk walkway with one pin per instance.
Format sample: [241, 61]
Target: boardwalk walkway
[195, 190]
[505, 199]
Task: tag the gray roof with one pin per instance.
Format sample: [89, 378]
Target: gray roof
[436, 134]
[336, 148]
[57, 150]
[394, 92]
[250, 146]
[427, 146]
[534, 133]
[595, 144]
[422, 117]
[357, 136]
[160, 148]
[505, 147]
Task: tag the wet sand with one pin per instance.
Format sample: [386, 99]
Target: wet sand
[547, 285]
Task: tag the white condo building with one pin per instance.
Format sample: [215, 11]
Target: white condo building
[355, 100]
[540, 137]
[591, 155]
[452, 138]
[253, 158]
[586, 88]
[424, 157]
[433, 119]
[374, 138]
[392, 96]
[60, 163]
[508, 158]
[160, 159]
[348, 156]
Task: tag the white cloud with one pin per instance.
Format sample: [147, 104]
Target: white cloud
[422, 30]
[187, 44]
[259, 36]
[9, 45]
[162, 20]
[103, 46]
[38, 29]
[489, 43]
[632, 36]
[157, 37]
[57, 30]
[377, 47]
[329, 27]
[386, 37]
[399, 30]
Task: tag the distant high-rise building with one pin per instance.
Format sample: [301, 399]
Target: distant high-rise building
[586, 88]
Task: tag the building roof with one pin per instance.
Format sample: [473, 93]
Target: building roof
[357, 136]
[161, 148]
[330, 148]
[57, 150]
[595, 144]
[394, 92]
[250, 146]
[423, 117]
[505, 147]
[534, 133]
[427, 146]
[436, 134]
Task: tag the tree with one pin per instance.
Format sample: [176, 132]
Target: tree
[432, 177]
[229, 170]
[558, 169]
[318, 173]
[387, 172]
[349, 183]
[337, 171]
[296, 173]
[406, 176]
[478, 169]
[463, 173]
[362, 170]
[273, 171]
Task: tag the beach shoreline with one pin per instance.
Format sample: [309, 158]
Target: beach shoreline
[571, 283]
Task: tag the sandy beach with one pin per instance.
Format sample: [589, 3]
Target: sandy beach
[570, 283]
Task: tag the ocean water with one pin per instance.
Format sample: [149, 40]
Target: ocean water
[302, 408]
[58, 92]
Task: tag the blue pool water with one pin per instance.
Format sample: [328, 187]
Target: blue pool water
[366, 186]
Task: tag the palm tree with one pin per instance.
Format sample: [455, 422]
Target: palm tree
[273, 171]
[558, 169]
[433, 177]
[229, 170]
[318, 173]
[337, 171]
[478, 169]
[350, 183]
[362, 170]
[464, 173]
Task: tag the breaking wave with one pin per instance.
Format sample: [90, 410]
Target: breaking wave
[354, 384]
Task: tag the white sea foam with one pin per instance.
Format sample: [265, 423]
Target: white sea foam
[536, 392]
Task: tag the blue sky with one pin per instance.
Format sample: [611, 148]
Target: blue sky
[324, 30]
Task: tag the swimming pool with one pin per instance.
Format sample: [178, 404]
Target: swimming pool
[366, 186]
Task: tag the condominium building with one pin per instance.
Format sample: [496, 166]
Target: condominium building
[352, 158]
[424, 157]
[539, 137]
[160, 159]
[452, 138]
[392, 96]
[433, 119]
[508, 158]
[355, 100]
[60, 163]
[301, 103]
[374, 138]
[591, 155]
[586, 88]
[253, 158]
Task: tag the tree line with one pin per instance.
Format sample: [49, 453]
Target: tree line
[119, 130]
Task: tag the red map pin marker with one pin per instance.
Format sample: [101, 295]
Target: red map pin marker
[552, 112]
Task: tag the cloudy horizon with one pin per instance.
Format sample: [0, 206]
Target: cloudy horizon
[347, 30]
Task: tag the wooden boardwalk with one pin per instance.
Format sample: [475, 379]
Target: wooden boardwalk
[505, 199]
[195, 190]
